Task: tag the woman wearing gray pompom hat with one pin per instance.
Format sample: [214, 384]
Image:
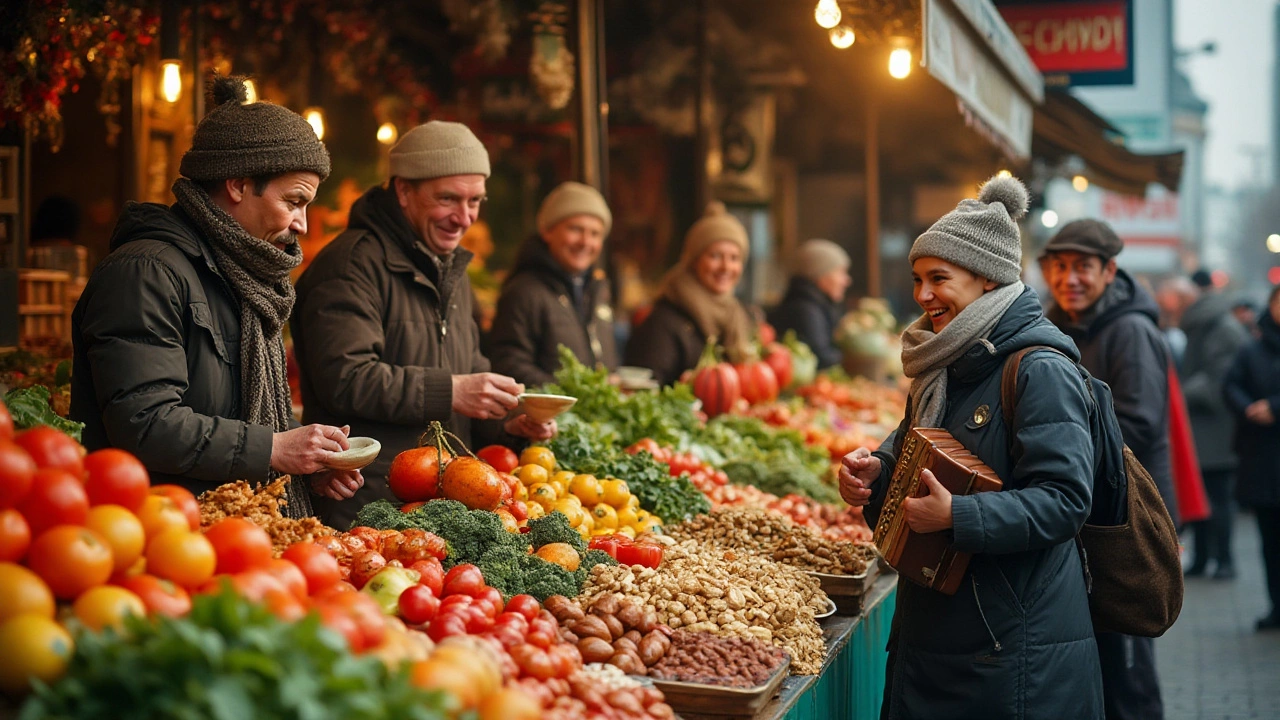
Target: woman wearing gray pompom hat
[1016, 640]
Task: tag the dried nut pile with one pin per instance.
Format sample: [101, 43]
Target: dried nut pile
[609, 677]
[703, 588]
[613, 630]
[262, 508]
[773, 535]
[710, 660]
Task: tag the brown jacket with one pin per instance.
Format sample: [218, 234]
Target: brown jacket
[667, 342]
[377, 348]
[537, 314]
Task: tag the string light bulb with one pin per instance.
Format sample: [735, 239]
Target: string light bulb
[171, 80]
[315, 116]
[1080, 183]
[827, 13]
[387, 133]
[900, 63]
[842, 37]
[1273, 243]
[1004, 174]
[1049, 219]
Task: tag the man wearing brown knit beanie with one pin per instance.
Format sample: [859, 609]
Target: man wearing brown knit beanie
[178, 351]
[384, 333]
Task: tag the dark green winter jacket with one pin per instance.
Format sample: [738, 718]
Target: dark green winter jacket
[1016, 640]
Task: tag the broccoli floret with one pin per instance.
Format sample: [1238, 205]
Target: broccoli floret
[382, 515]
[469, 532]
[555, 528]
[502, 568]
[590, 559]
[543, 579]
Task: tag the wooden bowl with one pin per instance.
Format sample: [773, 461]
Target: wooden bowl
[543, 408]
[360, 452]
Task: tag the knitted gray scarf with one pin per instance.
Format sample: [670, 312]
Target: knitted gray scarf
[258, 274]
[926, 354]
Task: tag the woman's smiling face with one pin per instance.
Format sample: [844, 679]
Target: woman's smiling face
[942, 289]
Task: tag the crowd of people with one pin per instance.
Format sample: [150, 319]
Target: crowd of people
[179, 359]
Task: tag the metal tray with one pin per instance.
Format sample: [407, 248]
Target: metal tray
[847, 591]
[699, 699]
[831, 610]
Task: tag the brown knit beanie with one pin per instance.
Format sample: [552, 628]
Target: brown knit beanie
[981, 235]
[239, 139]
[439, 149]
[816, 258]
[573, 198]
[715, 224]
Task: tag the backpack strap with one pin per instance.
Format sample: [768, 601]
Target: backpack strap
[1009, 380]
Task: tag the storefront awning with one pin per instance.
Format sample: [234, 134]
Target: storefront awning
[1065, 126]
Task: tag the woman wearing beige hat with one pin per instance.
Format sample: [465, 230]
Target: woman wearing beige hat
[812, 305]
[697, 301]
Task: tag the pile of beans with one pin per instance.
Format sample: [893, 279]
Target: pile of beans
[710, 660]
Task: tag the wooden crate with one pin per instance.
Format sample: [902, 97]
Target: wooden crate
[43, 311]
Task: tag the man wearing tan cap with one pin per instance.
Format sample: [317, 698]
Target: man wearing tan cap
[556, 295]
[383, 327]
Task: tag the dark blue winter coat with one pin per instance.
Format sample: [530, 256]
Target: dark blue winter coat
[813, 315]
[1255, 375]
[1016, 640]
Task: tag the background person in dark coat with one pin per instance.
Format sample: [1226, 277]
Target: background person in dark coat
[178, 354]
[1113, 322]
[697, 302]
[1214, 337]
[1252, 390]
[384, 331]
[1016, 640]
[556, 295]
[814, 299]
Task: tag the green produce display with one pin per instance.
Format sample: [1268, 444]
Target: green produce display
[30, 407]
[228, 660]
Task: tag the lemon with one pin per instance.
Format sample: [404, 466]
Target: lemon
[538, 455]
[533, 474]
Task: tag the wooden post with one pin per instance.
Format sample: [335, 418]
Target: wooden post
[592, 156]
[873, 194]
[703, 108]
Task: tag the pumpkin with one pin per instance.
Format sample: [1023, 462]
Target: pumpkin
[473, 483]
[715, 383]
[759, 383]
[415, 474]
[778, 357]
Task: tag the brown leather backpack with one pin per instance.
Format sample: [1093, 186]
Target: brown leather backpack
[1131, 563]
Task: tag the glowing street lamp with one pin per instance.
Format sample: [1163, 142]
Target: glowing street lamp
[827, 13]
[900, 63]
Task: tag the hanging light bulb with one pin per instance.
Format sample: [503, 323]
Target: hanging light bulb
[900, 63]
[1080, 183]
[387, 133]
[842, 36]
[250, 92]
[1004, 174]
[827, 13]
[315, 116]
[171, 80]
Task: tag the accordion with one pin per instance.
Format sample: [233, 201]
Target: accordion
[929, 559]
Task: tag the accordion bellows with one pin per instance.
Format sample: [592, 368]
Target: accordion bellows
[929, 559]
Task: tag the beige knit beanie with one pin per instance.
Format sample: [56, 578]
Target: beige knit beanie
[238, 139]
[573, 198]
[439, 149]
[816, 258]
[981, 235]
[715, 224]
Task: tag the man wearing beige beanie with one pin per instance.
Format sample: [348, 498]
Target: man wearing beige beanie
[556, 295]
[383, 329]
[813, 303]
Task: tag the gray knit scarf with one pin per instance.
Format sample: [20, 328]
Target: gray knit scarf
[258, 274]
[926, 354]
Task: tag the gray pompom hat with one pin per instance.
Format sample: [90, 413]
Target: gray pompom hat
[981, 235]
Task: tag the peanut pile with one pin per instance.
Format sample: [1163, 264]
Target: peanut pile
[710, 660]
[262, 508]
[703, 588]
[774, 536]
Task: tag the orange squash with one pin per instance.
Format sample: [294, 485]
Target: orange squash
[473, 483]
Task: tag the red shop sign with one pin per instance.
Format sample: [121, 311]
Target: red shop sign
[1075, 37]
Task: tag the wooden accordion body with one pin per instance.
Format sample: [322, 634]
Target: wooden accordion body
[929, 559]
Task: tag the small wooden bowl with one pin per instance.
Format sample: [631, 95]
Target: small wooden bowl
[543, 408]
[360, 452]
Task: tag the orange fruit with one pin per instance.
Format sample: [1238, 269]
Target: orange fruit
[538, 455]
[107, 606]
[35, 648]
[123, 532]
[24, 593]
[473, 483]
[561, 554]
[183, 557]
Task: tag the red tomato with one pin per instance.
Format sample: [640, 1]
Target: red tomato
[648, 445]
[410, 507]
[649, 556]
[52, 449]
[289, 575]
[161, 597]
[415, 473]
[478, 619]
[465, 579]
[456, 604]
[116, 478]
[431, 574]
[533, 661]
[418, 605]
[185, 501]
[518, 509]
[525, 605]
[508, 636]
[539, 638]
[57, 498]
[607, 544]
[240, 545]
[494, 599]
[365, 611]
[447, 626]
[319, 568]
[254, 585]
[565, 658]
[70, 560]
[503, 459]
[513, 620]
[6, 423]
[337, 618]
[15, 536]
[17, 470]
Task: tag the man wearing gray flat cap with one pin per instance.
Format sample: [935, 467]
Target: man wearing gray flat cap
[384, 332]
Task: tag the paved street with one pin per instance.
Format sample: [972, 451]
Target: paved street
[1213, 666]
